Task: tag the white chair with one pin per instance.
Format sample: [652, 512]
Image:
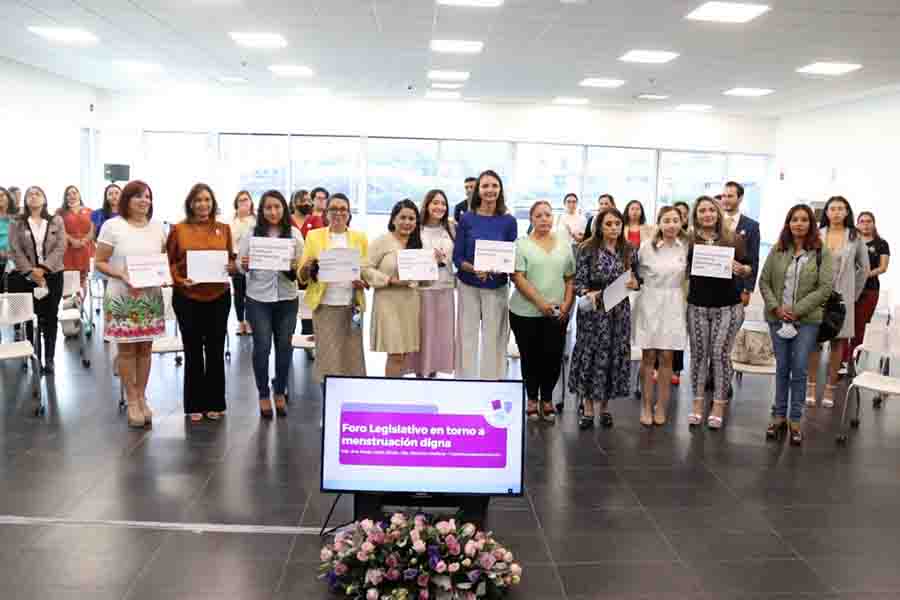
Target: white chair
[754, 320]
[300, 341]
[73, 320]
[880, 346]
[16, 309]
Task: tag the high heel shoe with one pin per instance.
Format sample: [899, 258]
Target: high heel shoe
[280, 405]
[135, 415]
[715, 422]
[586, 422]
[776, 429]
[696, 417]
[796, 435]
[606, 420]
[549, 412]
[265, 408]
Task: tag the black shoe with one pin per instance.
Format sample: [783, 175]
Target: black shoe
[730, 393]
[559, 407]
[48, 368]
[606, 420]
[776, 430]
[709, 385]
[586, 422]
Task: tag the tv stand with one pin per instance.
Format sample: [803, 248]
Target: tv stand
[374, 506]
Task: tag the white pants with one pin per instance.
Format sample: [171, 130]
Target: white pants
[486, 312]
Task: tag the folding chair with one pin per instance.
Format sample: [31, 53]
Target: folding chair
[754, 320]
[880, 348]
[73, 320]
[16, 309]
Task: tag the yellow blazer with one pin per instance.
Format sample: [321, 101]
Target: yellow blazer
[319, 240]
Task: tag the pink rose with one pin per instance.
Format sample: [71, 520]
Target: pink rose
[392, 561]
[451, 540]
[453, 524]
[487, 561]
[443, 527]
[471, 549]
[423, 594]
[372, 594]
[440, 567]
[422, 580]
[419, 547]
[367, 524]
[326, 554]
[368, 547]
[340, 569]
[339, 546]
[393, 575]
[515, 569]
[454, 550]
[499, 553]
[362, 556]
[453, 568]
[414, 535]
[470, 596]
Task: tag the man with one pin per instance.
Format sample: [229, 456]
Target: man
[604, 201]
[463, 206]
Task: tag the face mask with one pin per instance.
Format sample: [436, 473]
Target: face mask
[304, 209]
[787, 331]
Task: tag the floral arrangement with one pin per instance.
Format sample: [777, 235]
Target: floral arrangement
[409, 558]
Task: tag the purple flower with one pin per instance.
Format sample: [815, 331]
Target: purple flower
[410, 574]
[474, 576]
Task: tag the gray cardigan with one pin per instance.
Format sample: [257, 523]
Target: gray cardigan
[851, 269]
[22, 250]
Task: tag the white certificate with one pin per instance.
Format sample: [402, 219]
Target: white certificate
[207, 266]
[496, 257]
[271, 254]
[148, 271]
[417, 265]
[712, 261]
[339, 265]
[616, 292]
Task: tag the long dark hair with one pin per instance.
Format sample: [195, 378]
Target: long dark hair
[595, 242]
[786, 238]
[65, 205]
[687, 222]
[866, 213]
[849, 223]
[445, 220]
[262, 225]
[476, 195]
[415, 238]
[642, 220]
[107, 208]
[45, 212]
[192, 195]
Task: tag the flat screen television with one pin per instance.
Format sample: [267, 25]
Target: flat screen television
[433, 436]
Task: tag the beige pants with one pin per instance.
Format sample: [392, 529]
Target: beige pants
[484, 312]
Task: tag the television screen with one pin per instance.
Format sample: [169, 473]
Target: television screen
[423, 435]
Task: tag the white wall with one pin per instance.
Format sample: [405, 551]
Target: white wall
[41, 118]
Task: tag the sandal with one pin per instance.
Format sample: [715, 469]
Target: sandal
[281, 405]
[796, 435]
[265, 408]
[213, 415]
[696, 417]
[549, 412]
[196, 417]
[715, 422]
[532, 412]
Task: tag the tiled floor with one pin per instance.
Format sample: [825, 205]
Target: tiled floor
[627, 513]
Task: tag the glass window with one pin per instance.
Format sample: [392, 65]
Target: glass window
[173, 163]
[256, 163]
[329, 162]
[545, 172]
[750, 172]
[398, 169]
[626, 173]
[468, 159]
[685, 176]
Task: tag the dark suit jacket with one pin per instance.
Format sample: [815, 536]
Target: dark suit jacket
[459, 210]
[748, 230]
[587, 228]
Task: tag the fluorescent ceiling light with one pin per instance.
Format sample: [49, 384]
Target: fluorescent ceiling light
[653, 97]
[438, 95]
[265, 41]
[457, 46]
[748, 92]
[449, 75]
[648, 56]
[570, 101]
[139, 68]
[728, 12]
[228, 79]
[829, 68]
[446, 86]
[693, 107]
[291, 71]
[600, 82]
[474, 3]
[314, 91]
[65, 35]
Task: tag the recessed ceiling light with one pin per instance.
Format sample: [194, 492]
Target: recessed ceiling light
[693, 107]
[449, 75]
[65, 35]
[600, 82]
[446, 86]
[653, 97]
[140, 68]
[829, 68]
[228, 79]
[570, 101]
[474, 3]
[748, 92]
[649, 56]
[457, 46]
[265, 41]
[291, 71]
[438, 95]
[728, 12]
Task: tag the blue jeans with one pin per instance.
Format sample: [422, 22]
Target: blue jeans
[791, 368]
[272, 320]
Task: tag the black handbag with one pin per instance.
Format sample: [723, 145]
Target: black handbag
[834, 310]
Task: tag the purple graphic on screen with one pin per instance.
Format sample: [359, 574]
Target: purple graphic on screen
[495, 404]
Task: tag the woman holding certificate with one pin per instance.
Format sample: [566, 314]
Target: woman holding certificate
[601, 360]
[133, 316]
[272, 301]
[483, 295]
[243, 223]
[201, 258]
[395, 306]
[539, 308]
[715, 312]
[337, 305]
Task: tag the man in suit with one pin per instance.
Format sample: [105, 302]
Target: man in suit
[463, 206]
[604, 201]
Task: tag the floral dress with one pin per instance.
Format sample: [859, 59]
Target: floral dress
[601, 360]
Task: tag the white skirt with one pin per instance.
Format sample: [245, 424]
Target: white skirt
[660, 321]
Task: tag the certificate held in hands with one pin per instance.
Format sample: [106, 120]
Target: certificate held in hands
[712, 261]
[148, 271]
[416, 265]
[495, 257]
[339, 265]
[207, 266]
[271, 254]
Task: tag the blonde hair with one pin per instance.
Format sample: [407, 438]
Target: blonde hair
[722, 234]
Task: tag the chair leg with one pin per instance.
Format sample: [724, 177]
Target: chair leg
[844, 430]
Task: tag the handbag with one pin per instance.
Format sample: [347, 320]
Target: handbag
[834, 310]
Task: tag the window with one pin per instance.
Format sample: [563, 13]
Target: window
[398, 169]
[256, 163]
[173, 163]
[332, 163]
[627, 174]
[459, 160]
[750, 172]
[685, 176]
[545, 172]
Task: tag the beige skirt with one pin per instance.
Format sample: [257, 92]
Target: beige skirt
[339, 346]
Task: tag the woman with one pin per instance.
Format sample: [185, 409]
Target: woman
[79, 233]
[37, 243]
[5, 212]
[201, 307]
[879, 258]
[601, 360]
[795, 282]
[133, 317]
[715, 313]
[661, 329]
[678, 358]
[572, 222]
[303, 218]
[320, 202]
[272, 303]
[540, 306]
[297, 198]
[437, 310]
[110, 208]
[395, 306]
[636, 228]
[241, 227]
[483, 296]
[850, 267]
[337, 307]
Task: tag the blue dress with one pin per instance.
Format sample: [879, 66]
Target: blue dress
[601, 360]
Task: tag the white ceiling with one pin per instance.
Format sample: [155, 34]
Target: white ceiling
[534, 49]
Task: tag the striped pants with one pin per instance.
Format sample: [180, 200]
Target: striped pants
[712, 332]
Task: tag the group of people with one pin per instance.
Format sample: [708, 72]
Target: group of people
[460, 322]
